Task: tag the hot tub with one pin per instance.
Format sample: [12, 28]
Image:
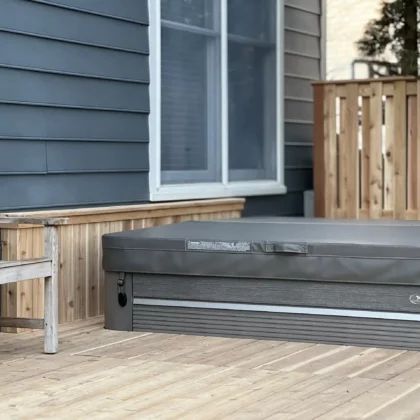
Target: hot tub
[313, 280]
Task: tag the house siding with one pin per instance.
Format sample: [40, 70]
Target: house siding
[74, 103]
[303, 63]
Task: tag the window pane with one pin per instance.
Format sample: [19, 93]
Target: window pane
[252, 96]
[190, 134]
[252, 19]
[189, 12]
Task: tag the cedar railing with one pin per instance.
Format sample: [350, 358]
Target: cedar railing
[366, 149]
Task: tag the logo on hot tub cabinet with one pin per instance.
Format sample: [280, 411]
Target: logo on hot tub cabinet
[415, 299]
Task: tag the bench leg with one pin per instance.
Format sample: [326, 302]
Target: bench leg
[51, 293]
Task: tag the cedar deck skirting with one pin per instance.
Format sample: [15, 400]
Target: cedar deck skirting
[80, 253]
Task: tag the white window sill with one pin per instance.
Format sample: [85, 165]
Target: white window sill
[217, 190]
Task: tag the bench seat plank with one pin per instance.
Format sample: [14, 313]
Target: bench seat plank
[13, 271]
[18, 263]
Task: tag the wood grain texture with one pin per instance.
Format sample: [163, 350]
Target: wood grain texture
[320, 131]
[417, 192]
[365, 156]
[412, 154]
[134, 212]
[375, 168]
[389, 185]
[5, 219]
[388, 172]
[331, 149]
[343, 158]
[19, 270]
[351, 189]
[30, 323]
[51, 292]
[102, 374]
[386, 80]
[400, 150]
[80, 274]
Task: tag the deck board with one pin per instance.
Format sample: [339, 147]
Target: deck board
[101, 374]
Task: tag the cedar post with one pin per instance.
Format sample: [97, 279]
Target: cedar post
[319, 152]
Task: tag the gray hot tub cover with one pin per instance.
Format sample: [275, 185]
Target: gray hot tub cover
[293, 249]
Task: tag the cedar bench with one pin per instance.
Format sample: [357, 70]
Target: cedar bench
[29, 269]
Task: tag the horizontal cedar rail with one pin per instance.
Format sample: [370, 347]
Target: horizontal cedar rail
[366, 148]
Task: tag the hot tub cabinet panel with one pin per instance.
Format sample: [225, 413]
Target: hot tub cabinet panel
[334, 295]
[284, 326]
[118, 314]
[348, 282]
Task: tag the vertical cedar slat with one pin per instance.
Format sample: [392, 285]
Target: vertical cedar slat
[342, 159]
[375, 167]
[330, 150]
[26, 287]
[92, 283]
[417, 175]
[412, 181]
[351, 178]
[80, 247]
[9, 292]
[320, 118]
[365, 152]
[400, 148]
[66, 269]
[38, 284]
[104, 229]
[389, 186]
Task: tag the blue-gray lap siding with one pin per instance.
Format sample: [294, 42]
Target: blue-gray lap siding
[74, 103]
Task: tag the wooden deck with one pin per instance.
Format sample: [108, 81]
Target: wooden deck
[100, 374]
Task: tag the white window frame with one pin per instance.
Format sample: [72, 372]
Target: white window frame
[224, 188]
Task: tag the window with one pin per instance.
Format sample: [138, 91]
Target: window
[216, 92]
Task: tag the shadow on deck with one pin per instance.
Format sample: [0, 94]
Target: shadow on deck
[101, 374]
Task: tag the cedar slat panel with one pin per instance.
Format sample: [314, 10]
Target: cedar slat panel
[342, 157]
[351, 154]
[320, 157]
[389, 188]
[380, 181]
[417, 175]
[365, 193]
[388, 89]
[400, 148]
[412, 152]
[330, 148]
[80, 252]
[365, 90]
[375, 167]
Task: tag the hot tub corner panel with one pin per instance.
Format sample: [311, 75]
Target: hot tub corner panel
[118, 295]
